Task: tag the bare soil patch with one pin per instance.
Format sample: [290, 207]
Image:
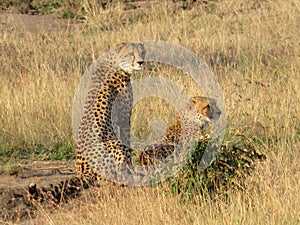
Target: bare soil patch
[44, 172]
[20, 23]
[14, 199]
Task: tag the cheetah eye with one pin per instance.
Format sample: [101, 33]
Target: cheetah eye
[131, 54]
[206, 109]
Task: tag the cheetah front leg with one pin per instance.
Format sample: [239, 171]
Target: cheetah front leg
[111, 160]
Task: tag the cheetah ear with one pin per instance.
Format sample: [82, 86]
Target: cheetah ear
[194, 99]
[122, 44]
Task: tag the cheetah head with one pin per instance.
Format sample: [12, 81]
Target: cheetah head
[130, 57]
[207, 110]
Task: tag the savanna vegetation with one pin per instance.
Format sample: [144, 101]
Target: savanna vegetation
[251, 46]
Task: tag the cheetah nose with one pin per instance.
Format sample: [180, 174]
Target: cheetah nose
[140, 63]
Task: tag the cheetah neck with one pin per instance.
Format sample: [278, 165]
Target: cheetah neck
[107, 90]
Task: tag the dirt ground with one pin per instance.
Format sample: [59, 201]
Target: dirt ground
[43, 172]
[14, 202]
[19, 23]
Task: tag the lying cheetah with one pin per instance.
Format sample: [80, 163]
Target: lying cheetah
[186, 127]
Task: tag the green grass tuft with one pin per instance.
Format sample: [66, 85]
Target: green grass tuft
[232, 164]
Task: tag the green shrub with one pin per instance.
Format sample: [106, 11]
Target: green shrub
[233, 163]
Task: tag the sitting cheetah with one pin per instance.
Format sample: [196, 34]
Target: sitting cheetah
[100, 153]
[186, 127]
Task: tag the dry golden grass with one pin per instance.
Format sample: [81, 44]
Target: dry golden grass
[253, 49]
[271, 197]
